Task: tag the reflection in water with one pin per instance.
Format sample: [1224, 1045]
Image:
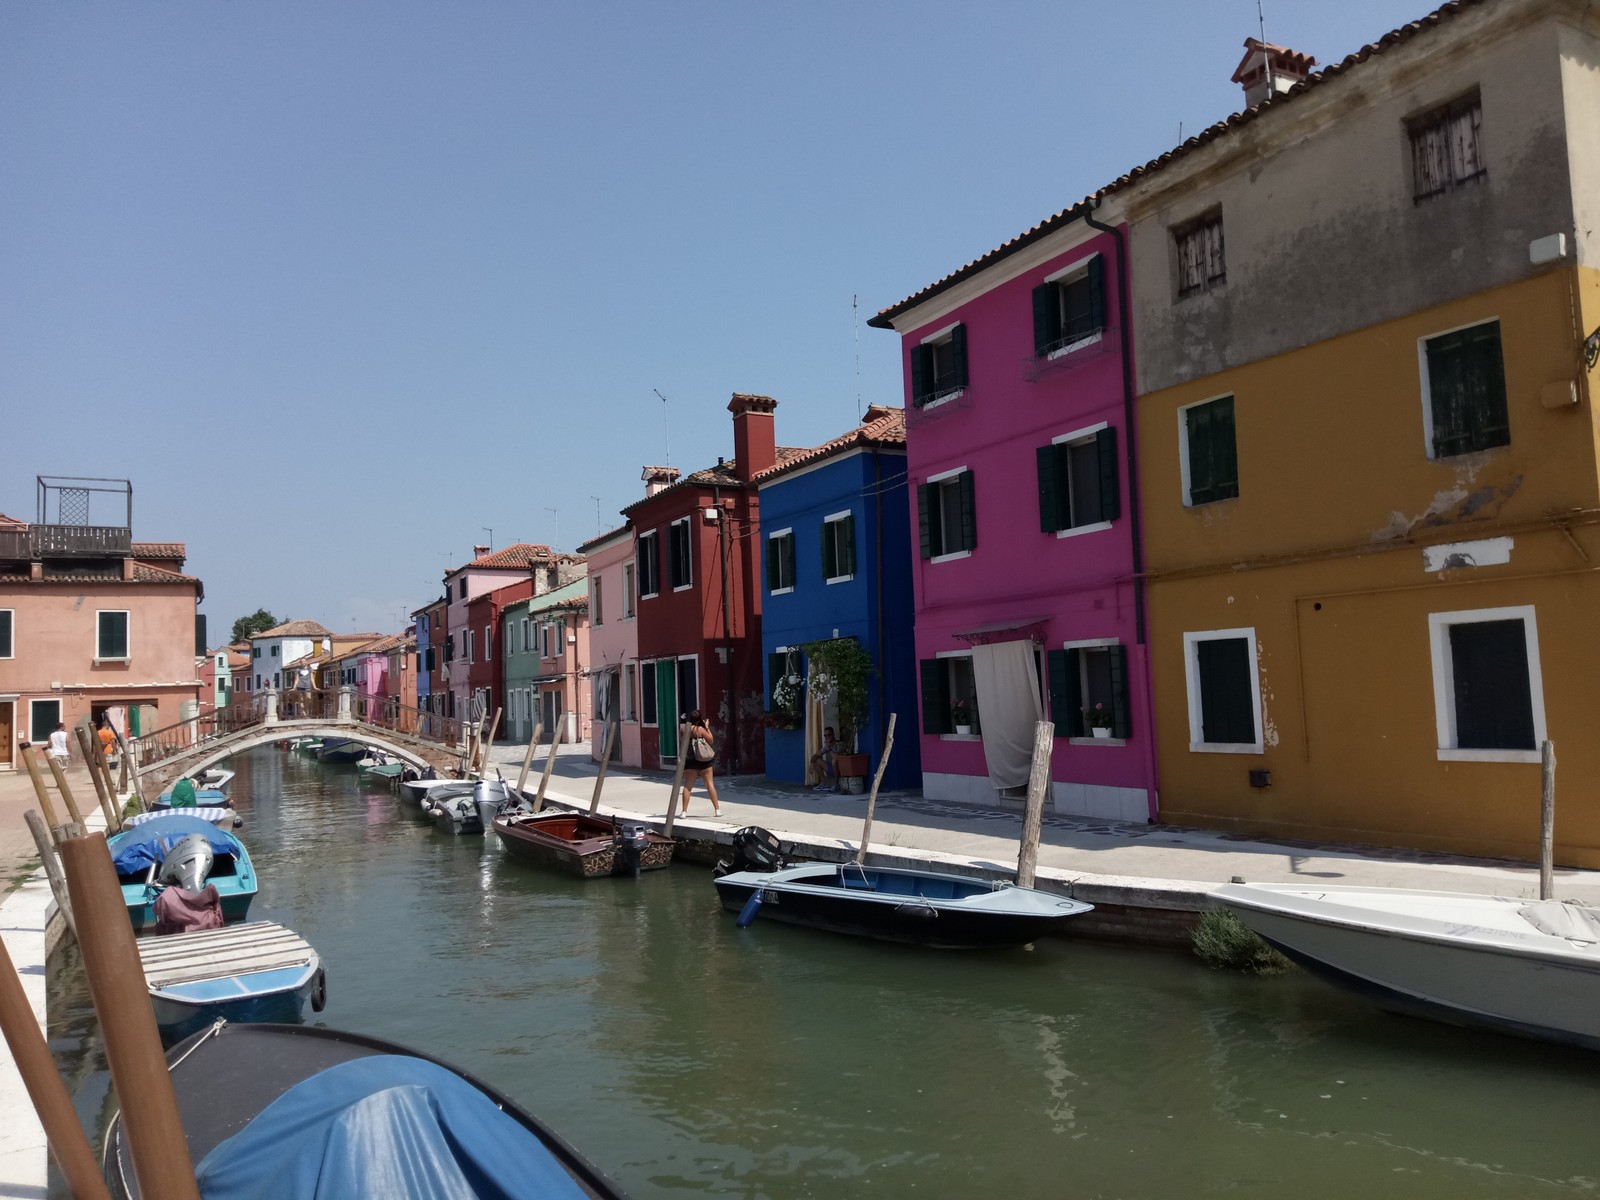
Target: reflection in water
[684, 1055]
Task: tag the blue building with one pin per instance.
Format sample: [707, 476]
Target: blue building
[836, 552]
[425, 656]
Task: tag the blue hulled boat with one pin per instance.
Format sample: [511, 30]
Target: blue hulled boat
[341, 750]
[172, 847]
[257, 971]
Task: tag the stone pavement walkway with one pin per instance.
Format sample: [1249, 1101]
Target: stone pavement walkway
[906, 821]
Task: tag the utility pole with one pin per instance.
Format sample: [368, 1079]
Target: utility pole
[666, 427]
[555, 522]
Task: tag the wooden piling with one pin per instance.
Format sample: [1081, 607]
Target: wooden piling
[872, 796]
[677, 780]
[612, 733]
[483, 748]
[31, 1053]
[527, 759]
[65, 789]
[1547, 820]
[1044, 740]
[549, 765]
[95, 757]
[127, 1024]
[31, 761]
[52, 867]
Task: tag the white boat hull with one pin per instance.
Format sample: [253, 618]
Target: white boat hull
[1467, 960]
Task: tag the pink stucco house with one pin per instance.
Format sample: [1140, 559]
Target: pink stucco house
[614, 642]
[1019, 403]
[92, 623]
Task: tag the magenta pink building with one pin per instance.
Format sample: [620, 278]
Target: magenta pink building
[1019, 390]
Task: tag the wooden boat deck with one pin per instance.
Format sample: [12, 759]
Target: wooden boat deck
[218, 953]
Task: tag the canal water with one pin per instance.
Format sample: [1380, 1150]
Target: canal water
[686, 1057]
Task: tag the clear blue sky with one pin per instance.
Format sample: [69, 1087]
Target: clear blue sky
[338, 285]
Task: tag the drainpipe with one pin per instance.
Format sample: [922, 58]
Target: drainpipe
[877, 588]
[1135, 526]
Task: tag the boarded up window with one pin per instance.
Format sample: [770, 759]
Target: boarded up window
[1447, 148]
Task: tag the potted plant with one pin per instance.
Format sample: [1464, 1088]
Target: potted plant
[1098, 721]
[842, 667]
[961, 716]
[787, 692]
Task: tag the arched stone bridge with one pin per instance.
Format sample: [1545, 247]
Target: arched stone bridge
[190, 747]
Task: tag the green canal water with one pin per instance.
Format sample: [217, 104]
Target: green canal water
[686, 1057]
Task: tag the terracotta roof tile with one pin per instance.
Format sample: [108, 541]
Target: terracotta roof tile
[885, 318]
[141, 574]
[520, 556]
[309, 629]
[884, 426]
[724, 474]
[160, 550]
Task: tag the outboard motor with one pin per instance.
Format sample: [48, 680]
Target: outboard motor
[489, 795]
[188, 863]
[628, 844]
[754, 849]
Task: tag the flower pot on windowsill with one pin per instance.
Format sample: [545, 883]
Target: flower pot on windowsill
[963, 730]
[1101, 731]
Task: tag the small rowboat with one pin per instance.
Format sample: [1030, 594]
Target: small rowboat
[221, 817]
[923, 908]
[257, 971]
[340, 750]
[293, 1112]
[583, 845]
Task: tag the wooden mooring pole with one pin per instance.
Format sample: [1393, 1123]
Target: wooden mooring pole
[52, 867]
[1547, 820]
[91, 752]
[62, 786]
[127, 1023]
[613, 731]
[31, 761]
[49, 1095]
[549, 765]
[677, 781]
[527, 759]
[1044, 740]
[483, 749]
[872, 796]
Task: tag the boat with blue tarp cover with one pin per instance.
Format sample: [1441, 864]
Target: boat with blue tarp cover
[290, 1112]
[172, 848]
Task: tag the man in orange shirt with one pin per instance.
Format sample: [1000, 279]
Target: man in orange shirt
[108, 740]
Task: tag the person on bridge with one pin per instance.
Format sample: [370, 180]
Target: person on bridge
[183, 793]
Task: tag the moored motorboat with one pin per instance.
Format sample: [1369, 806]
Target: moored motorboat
[1529, 967]
[417, 790]
[216, 778]
[340, 750]
[256, 971]
[455, 812]
[219, 815]
[380, 765]
[422, 802]
[291, 1112]
[581, 844]
[924, 908]
[181, 850]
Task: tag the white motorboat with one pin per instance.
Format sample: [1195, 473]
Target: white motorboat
[215, 778]
[417, 790]
[1530, 967]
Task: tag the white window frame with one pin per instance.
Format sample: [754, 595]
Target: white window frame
[788, 532]
[127, 620]
[630, 690]
[466, 636]
[688, 549]
[60, 715]
[942, 335]
[630, 576]
[1183, 442]
[1086, 434]
[1444, 692]
[11, 629]
[596, 614]
[959, 737]
[945, 477]
[1191, 676]
[1426, 388]
[835, 519]
[1065, 275]
[655, 546]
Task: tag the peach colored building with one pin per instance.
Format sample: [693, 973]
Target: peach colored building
[614, 642]
[92, 623]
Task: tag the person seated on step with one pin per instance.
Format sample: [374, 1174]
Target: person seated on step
[822, 760]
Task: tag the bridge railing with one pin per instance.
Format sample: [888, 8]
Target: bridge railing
[168, 741]
[386, 712]
[308, 704]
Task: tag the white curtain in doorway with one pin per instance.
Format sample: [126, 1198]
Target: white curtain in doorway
[1006, 677]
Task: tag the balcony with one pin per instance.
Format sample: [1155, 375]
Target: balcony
[15, 544]
[80, 541]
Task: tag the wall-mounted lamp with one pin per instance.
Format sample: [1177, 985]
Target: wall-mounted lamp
[1260, 778]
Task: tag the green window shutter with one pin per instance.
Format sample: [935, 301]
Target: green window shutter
[1046, 317]
[969, 512]
[920, 382]
[1120, 722]
[786, 552]
[848, 532]
[935, 697]
[1097, 293]
[1225, 450]
[924, 521]
[1060, 710]
[829, 558]
[1110, 497]
[1049, 489]
[958, 356]
[773, 553]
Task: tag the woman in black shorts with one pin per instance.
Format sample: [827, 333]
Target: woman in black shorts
[695, 767]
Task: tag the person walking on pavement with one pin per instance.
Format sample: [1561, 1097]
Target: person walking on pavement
[58, 745]
[699, 754]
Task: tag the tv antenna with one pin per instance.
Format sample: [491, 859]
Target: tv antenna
[666, 428]
[599, 521]
[855, 324]
[490, 532]
[555, 522]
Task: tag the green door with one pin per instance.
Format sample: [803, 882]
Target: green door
[667, 708]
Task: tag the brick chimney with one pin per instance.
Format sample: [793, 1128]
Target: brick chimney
[479, 551]
[1266, 70]
[656, 478]
[755, 442]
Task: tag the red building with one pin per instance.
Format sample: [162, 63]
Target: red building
[486, 666]
[431, 625]
[699, 605]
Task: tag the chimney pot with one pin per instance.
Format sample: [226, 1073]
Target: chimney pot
[754, 434]
[1267, 70]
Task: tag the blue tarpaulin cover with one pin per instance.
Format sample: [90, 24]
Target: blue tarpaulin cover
[388, 1125]
[135, 851]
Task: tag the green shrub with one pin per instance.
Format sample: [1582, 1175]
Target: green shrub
[1223, 941]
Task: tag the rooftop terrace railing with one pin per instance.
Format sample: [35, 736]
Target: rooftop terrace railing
[80, 541]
